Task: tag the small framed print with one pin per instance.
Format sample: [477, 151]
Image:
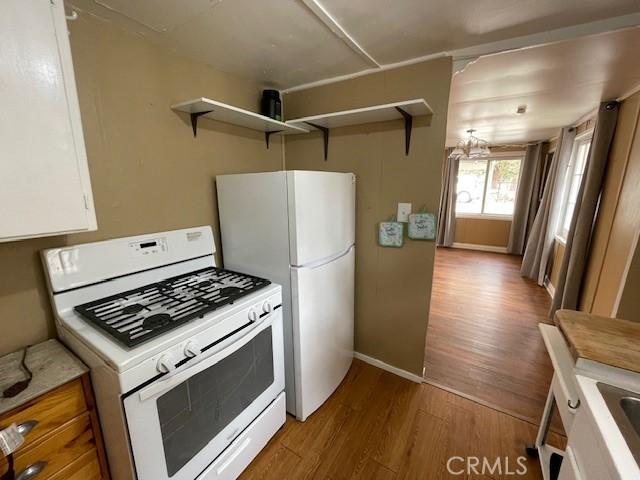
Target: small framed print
[422, 226]
[391, 234]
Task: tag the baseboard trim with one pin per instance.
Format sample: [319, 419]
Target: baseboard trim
[389, 368]
[551, 290]
[482, 248]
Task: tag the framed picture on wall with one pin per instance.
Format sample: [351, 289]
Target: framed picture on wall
[422, 226]
[391, 234]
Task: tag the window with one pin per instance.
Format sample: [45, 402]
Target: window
[572, 182]
[487, 186]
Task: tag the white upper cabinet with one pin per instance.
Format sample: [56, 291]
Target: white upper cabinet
[44, 178]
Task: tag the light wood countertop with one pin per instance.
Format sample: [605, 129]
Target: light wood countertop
[611, 341]
[50, 362]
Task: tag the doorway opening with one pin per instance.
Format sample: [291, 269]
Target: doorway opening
[483, 340]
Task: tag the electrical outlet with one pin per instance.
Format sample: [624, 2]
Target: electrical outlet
[404, 209]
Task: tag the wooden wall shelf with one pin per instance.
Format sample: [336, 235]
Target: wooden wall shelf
[405, 110]
[222, 112]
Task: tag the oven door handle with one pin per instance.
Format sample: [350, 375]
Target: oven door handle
[167, 382]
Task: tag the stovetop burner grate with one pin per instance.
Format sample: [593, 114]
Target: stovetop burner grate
[136, 316]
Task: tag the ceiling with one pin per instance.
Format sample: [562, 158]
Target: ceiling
[395, 30]
[282, 43]
[559, 84]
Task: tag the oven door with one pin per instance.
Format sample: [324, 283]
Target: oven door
[180, 423]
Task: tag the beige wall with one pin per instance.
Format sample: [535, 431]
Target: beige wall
[630, 302]
[618, 216]
[483, 231]
[393, 286]
[148, 172]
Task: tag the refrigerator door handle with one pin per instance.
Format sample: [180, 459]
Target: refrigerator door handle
[324, 261]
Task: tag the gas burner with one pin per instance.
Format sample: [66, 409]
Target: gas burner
[135, 316]
[156, 321]
[229, 291]
[133, 308]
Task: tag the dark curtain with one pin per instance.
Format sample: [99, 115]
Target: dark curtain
[567, 295]
[527, 199]
[447, 212]
[540, 242]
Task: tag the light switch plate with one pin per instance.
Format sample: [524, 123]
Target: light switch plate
[404, 209]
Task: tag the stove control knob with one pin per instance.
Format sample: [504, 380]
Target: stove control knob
[191, 349]
[267, 307]
[166, 363]
[253, 315]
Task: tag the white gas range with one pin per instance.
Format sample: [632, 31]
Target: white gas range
[186, 359]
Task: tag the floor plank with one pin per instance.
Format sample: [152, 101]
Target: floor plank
[380, 426]
[425, 454]
[483, 339]
[396, 431]
[375, 471]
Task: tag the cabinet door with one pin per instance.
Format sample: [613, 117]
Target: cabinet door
[44, 180]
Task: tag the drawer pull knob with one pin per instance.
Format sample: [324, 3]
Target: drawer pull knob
[573, 406]
[25, 427]
[32, 471]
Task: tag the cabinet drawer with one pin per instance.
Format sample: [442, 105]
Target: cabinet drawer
[59, 449]
[48, 412]
[87, 467]
[230, 464]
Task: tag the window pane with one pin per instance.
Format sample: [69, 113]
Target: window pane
[567, 218]
[502, 187]
[573, 181]
[582, 157]
[471, 176]
[574, 189]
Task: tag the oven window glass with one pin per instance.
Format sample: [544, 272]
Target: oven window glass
[194, 412]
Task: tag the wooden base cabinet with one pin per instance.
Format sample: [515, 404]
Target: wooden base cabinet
[64, 439]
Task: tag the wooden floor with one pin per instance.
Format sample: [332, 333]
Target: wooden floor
[482, 339]
[380, 426]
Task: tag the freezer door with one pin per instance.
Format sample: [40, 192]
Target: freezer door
[323, 300]
[321, 215]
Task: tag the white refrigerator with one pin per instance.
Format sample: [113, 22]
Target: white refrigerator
[297, 228]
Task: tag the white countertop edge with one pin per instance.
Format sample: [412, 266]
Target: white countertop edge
[623, 460]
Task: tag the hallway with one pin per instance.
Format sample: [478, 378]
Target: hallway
[483, 340]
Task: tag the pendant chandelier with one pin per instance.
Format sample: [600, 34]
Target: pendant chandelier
[471, 147]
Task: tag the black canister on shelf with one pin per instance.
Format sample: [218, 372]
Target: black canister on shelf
[270, 106]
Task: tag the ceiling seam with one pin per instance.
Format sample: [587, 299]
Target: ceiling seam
[493, 48]
[338, 30]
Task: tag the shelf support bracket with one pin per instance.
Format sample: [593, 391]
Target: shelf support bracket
[194, 120]
[408, 125]
[267, 135]
[325, 137]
